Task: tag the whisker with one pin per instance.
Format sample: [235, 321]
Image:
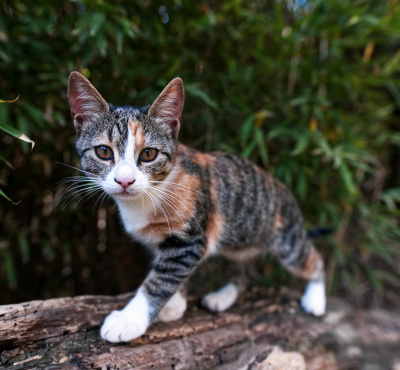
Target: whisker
[87, 196]
[181, 186]
[168, 191]
[158, 202]
[74, 188]
[175, 208]
[166, 200]
[75, 168]
[78, 192]
[162, 209]
[103, 198]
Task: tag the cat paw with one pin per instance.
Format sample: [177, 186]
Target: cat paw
[222, 299]
[120, 327]
[314, 300]
[174, 309]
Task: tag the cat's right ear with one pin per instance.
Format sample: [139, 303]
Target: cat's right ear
[85, 101]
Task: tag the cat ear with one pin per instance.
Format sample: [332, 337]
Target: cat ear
[85, 101]
[169, 105]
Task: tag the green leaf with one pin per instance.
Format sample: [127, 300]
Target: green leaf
[247, 128]
[193, 90]
[249, 149]
[301, 145]
[9, 101]
[11, 272]
[24, 247]
[5, 196]
[16, 133]
[347, 178]
[259, 138]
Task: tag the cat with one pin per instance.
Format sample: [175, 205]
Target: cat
[185, 206]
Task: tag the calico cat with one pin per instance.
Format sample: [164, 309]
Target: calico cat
[185, 206]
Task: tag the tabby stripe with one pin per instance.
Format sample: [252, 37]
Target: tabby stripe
[158, 293]
[178, 243]
[304, 250]
[179, 260]
[186, 254]
[175, 280]
[118, 126]
[166, 270]
[84, 151]
[193, 254]
[110, 133]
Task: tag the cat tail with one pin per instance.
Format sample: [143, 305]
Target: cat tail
[319, 231]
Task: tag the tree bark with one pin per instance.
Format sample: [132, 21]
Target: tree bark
[63, 333]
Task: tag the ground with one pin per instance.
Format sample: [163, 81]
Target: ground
[266, 329]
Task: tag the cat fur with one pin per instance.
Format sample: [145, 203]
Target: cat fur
[186, 206]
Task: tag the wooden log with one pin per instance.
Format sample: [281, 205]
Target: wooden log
[64, 334]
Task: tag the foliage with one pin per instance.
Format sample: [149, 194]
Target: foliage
[15, 133]
[309, 90]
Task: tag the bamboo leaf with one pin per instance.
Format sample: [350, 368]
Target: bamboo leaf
[347, 178]
[9, 101]
[16, 133]
[301, 145]
[4, 195]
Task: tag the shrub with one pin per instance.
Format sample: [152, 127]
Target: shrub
[309, 90]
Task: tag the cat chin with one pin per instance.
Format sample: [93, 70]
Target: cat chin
[126, 196]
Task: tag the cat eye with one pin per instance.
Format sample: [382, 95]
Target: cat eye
[148, 154]
[104, 152]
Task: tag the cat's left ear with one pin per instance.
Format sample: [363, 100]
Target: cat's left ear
[169, 105]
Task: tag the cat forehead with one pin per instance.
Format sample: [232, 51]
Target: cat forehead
[124, 121]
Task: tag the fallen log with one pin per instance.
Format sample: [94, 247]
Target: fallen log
[265, 327]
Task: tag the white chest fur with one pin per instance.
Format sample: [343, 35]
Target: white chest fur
[136, 216]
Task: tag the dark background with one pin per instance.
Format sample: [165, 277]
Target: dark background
[307, 89]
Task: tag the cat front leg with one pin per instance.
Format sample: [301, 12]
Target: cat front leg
[177, 259]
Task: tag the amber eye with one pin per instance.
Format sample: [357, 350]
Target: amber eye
[104, 152]
[148, 154]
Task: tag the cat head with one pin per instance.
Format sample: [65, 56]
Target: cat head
[125, 150]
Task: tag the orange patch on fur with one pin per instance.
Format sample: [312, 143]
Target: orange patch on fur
[214, 231]
[242, 256]
[202, 159]
[278, 222]
[313, 266]
[178, 205]
[137, 132]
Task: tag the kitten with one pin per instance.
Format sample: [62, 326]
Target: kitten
[185, 206]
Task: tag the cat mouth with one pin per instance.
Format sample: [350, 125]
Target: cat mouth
[125, 194]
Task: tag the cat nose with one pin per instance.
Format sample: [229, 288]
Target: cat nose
[124, 182]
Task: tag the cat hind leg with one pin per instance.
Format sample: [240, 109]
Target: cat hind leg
[174, 308]
[225, 297]
[222, 299]
[310, 266]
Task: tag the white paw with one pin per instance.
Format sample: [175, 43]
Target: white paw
[222, 299]
[174, 309]
[119, 326]
[314, 300]
[129, 323]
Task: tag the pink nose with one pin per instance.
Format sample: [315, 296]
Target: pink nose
[124, 182]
